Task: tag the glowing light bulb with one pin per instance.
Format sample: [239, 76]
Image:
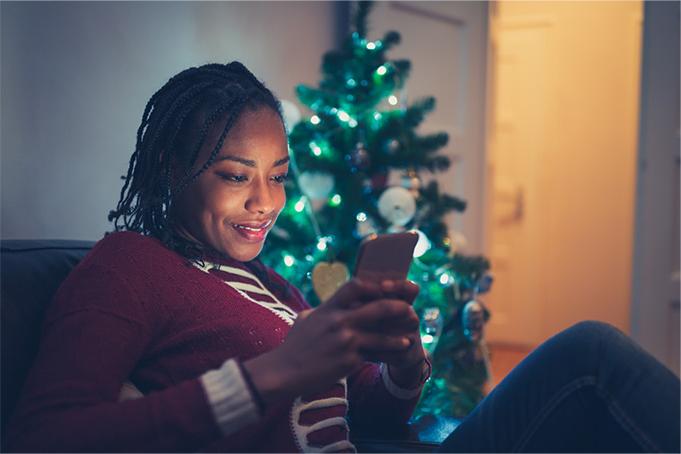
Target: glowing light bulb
[444, 279]
[289, 260]
[361, 216]
[343, 116]
[336, 200]
[352, 123]
[314, 119]
[321, 244]
[371, 46]
[392, 100]
[300, 205]
[381, 70]
[316, 149]
[377, 116]
[427, 339]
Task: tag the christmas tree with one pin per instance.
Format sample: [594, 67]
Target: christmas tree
[361, 129]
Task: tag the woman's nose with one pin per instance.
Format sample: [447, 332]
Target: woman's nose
[260, 199]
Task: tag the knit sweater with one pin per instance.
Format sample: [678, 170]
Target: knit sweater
[135, 310]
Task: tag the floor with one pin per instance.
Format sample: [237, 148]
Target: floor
[503, 359]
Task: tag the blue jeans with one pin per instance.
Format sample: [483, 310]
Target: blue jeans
[587, 389]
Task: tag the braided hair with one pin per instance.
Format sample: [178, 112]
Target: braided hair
[189, 107]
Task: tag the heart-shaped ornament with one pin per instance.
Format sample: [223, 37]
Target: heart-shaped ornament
[327, 277]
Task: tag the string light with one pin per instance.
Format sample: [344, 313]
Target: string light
[289, 260]
[352, 123]
[351, 83]
[335, 200]
[316, 149]
[371, 46]
[321, 244]
[300, 205]
[377, 116]
[427, 339]
[381, 70]
[392, 100]
[314, 119]
[445, 278]
[343, 115]
[361, 216]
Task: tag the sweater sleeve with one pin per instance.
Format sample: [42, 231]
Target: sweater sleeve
[94, 334]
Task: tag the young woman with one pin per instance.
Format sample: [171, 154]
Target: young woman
[225, 355]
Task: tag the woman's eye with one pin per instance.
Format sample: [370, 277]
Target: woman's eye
[233, 178]
[281, 178]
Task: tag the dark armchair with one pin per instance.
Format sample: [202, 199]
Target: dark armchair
[32, 270]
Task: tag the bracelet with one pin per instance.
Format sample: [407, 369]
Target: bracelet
[257, 398]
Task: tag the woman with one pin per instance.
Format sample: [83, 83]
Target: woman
[229, 357]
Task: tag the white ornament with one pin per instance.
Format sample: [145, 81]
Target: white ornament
[422, 244]
[291, 114]
[316, 185]
[397, 205]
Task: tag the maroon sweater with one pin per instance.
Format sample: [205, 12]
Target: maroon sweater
[134, 310]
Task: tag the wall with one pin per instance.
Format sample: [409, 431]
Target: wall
[76, 77]
[655, 290]
[562, 156]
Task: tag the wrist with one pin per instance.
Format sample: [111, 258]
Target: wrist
[271, 382]
[410, 376]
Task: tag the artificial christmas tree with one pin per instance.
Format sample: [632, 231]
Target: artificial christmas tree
[361, 129]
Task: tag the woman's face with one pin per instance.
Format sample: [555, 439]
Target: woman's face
[234, 203]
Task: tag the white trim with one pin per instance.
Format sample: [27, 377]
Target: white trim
[229, 397]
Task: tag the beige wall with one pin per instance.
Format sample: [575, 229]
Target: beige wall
[562, 164]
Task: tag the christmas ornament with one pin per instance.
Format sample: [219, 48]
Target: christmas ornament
[316, 185]
[422, 245]
[431, 327]
[473, 320]
[327, 277]
[397, 205]
[291, 114]
[359, 157]
[485, 283]
[412, 181]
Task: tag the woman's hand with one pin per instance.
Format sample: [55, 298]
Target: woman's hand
[406, 367]
[327, 343]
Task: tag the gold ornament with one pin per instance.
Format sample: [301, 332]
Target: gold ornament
[327, 277]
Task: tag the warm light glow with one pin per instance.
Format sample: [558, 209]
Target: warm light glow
[381, 70]
[371, 46]
[427, 339]
[300, 205]
[361, 216]
[321, 244]
[314, 119]
[392, 100]
[343, 116]
[444, 279]
[352, 123]
[316, 150]
[288, 260]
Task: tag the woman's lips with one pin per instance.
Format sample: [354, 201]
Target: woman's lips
[251, 231]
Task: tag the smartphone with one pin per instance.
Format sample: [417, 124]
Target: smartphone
[385, 256]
